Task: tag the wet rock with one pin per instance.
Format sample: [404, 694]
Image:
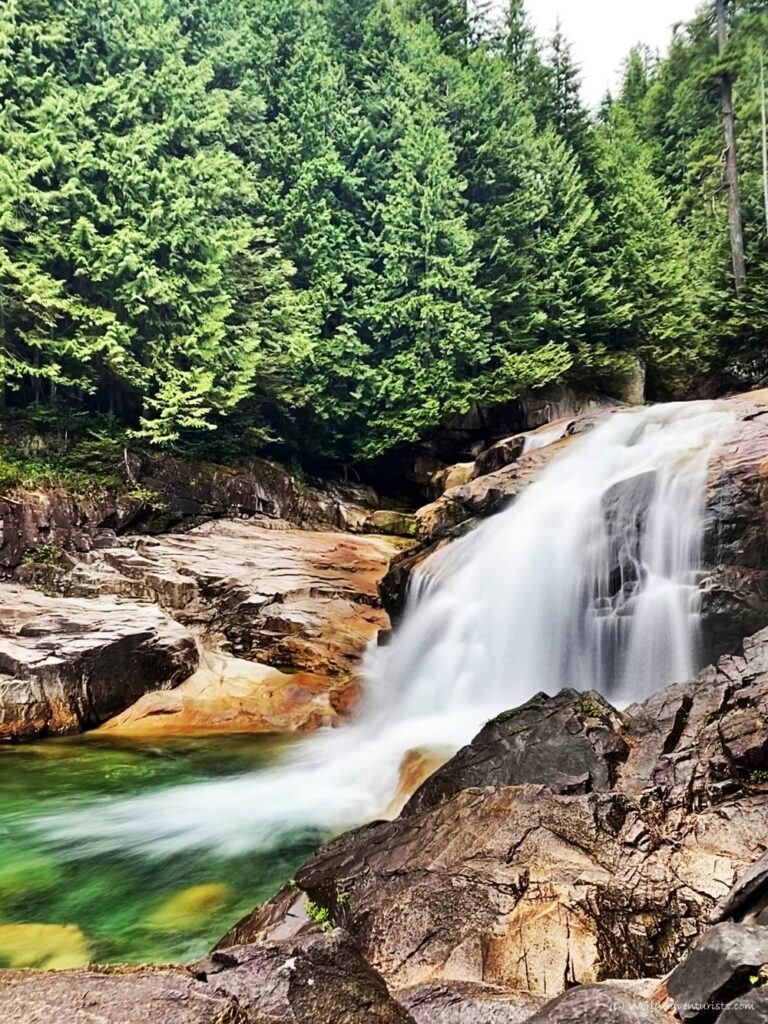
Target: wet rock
[501, 454]
[464, 1003]
[320, 979]
[751, 1008]
[598, 1004]
[718, 970]
[454, 476]
[67, 665]
[232, 695]
[570, 743]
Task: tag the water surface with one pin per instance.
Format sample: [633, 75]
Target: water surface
[129, 906]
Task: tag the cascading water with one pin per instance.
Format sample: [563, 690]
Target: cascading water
[587, 580]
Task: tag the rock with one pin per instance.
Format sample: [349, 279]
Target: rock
[454, 476]
[499, 455]
[395, 524]
[232, 695]
[748, 897]
[319, 979]
[510, 449]
[751, 1008]
[67, 665]
[199, 490]
[718, 970]
[629, 386]
[464, 1003]
[186, 909]
[598, 1004]
[568, 844]
[44, 946]
[570, 743]
[296, 600]
[57, 521]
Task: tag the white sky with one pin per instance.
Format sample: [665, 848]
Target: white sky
[603, 31]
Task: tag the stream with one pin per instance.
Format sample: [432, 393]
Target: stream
[123, 905]
[589, 580]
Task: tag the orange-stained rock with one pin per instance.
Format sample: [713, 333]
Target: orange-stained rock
[231, 695]
[299, 601]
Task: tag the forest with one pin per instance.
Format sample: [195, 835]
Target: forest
[319, 226]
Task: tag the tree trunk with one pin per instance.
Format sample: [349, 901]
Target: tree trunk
[735, 227]
[765, 140]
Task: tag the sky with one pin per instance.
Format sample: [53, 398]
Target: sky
[603, 31]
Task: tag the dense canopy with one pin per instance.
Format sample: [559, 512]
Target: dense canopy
[329, 223]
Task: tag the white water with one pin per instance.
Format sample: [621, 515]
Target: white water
[552, 592]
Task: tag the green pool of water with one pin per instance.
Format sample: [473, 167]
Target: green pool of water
[128, 908]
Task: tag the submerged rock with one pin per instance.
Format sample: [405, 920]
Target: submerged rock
[44, 946]
[320, 979]
[67, 665]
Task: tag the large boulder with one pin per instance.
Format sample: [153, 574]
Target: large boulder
[67, 665]
[570, 743]
[721, 968]
[320, 979]
[568, 844]
[466, 1003]
[599, 1004]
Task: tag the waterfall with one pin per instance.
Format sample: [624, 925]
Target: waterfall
[588, 580]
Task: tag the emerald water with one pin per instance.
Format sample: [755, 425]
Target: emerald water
[128, 906]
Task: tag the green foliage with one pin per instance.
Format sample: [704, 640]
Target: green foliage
[43, 555]
[319, 915]
[326, 226]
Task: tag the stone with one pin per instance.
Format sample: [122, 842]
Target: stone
[299, 601]
[570, 743]
[392, 523]
[44, 946]
[454, 476]
[748, 897]
[465, 1003]
[232, 695]
[718, 970]
[68, 665]
[598, 1004]
[319, 979]
[751, 1008]
[188, 908]
[59, 521]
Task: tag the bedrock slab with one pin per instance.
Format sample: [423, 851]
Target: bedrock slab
[68, 664]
